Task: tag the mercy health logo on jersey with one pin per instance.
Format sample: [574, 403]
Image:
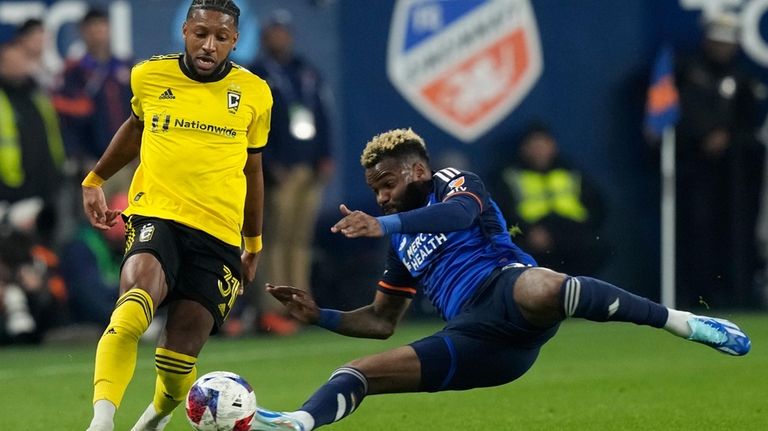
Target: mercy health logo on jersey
[464, 64]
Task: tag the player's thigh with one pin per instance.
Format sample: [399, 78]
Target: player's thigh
[151, 258]
[187, 328]
[455, 361]
[394, 371]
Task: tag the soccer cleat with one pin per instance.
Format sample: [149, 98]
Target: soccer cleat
[265, 420]
[719, 334]
[151, 421]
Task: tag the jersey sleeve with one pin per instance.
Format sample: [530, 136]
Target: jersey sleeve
[258, 130]
[396, 279]
[138, 74]
[451, 182]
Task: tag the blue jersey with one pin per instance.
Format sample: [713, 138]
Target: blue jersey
[450, 266]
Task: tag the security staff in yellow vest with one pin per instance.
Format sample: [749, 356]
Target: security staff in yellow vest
[558, 210]
[31, 149]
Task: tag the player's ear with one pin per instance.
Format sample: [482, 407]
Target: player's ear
[420, 171]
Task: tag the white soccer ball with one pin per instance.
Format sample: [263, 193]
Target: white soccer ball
[221, 401]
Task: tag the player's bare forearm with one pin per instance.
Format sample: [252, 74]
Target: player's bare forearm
[124, 147]
[377, 320]
[253, 214]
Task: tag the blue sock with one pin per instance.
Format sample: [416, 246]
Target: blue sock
[599, 301]
[339, 397]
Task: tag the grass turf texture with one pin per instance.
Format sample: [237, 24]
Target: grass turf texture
[589, 377]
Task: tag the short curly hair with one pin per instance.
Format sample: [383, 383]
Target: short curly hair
[227, 7]
[394, 143]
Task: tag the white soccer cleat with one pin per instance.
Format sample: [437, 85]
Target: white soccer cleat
[266, 420]
[151, 421]
[719, 334]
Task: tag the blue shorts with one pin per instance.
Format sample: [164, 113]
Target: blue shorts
[488, 343]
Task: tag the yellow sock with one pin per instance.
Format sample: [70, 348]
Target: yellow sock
[175, 374]
[116, 352]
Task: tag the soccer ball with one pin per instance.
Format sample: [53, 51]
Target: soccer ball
[221, 401]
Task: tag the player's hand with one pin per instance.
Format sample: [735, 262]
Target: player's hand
[96, 210]
[357, 224]
[248, 263]
[299, 303]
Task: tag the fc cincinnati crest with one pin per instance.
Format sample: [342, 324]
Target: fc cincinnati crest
[465, 65]
[233, 100]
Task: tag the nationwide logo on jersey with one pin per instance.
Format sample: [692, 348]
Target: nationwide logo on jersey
[233, 99]
[464, 64]
[160, 122]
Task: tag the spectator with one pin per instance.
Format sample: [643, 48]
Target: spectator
[719, 171]
[28, 308]
[31, 149]
[16, 322]
[91, 268]
[556, 206]
[298, 162]
[32, 38]
[94, 97]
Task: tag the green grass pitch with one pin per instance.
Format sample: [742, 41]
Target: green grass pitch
[589, 377]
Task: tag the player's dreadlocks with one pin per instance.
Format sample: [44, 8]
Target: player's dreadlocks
[394, 143]
[224, 6]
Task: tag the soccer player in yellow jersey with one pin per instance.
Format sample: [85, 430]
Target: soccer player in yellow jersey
[199, 124]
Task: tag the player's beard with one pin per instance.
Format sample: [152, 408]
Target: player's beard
[415, 195]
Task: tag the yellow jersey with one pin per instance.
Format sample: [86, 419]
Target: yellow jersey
[197, 135]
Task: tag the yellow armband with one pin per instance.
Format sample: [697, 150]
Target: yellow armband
[92, 180]
[253, 244]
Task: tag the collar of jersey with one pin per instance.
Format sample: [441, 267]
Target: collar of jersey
[216, 76]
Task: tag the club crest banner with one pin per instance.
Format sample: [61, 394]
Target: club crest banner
[465, 65]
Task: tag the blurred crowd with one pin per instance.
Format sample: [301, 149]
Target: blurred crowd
[56, 271]
[59, 277]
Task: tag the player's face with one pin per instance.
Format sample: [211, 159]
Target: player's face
[398, 185]
[209, 37]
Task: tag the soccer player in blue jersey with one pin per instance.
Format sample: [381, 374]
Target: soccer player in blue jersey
[448, 237]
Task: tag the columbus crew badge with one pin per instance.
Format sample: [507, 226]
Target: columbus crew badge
[146, 233]
[233, 100]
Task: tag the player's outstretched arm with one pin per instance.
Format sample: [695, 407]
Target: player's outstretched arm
[377, 320]
[123, 148]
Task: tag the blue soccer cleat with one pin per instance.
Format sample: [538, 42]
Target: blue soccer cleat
[719, 334]
[266, 420]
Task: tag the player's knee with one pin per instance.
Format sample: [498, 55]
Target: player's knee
[537, 291]
[144, 271]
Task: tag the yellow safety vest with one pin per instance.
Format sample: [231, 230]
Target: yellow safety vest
[541, 193]
[11, 168]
